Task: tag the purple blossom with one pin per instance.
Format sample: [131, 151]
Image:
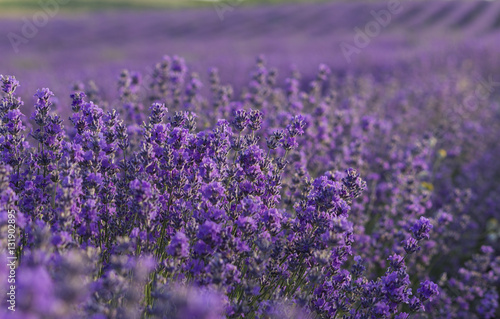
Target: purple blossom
[427, 290]
[421, 228]
[9, 84]
[179, 245]
[209, 232]
[396, 262]
[411, 245]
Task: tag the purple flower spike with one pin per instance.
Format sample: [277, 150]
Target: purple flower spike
[427, 290]
[411, 245]
[179, 246]
[421, 228]
[9, 84]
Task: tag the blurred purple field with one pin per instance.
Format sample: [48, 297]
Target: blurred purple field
[314, 160]
[98, 45]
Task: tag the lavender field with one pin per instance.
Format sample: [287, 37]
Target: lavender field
[241, 160]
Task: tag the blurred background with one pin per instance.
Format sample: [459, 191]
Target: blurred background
[54, 43]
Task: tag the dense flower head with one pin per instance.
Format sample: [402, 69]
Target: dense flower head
[411, 245]
[396, 262]
[179, 246]
[13, 120]
[240, 121]
[274, 140]
[9, 84]
[354, 183]
[421, 228]
[43, 95]
[416, 304]
[427, 290]
[141, 190]
[395, 286]
[213, 192]
[253, 155]
[77, 101]
[296, 126]
[158, 112]
[209, 231]
[42, 106]
[255, 120]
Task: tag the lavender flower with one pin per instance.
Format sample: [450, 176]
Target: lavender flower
[421, 228]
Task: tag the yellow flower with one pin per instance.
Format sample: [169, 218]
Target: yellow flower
[428, 186]
[442, 153]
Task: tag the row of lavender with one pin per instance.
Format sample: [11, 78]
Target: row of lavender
[338, 198]
[98, 45]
